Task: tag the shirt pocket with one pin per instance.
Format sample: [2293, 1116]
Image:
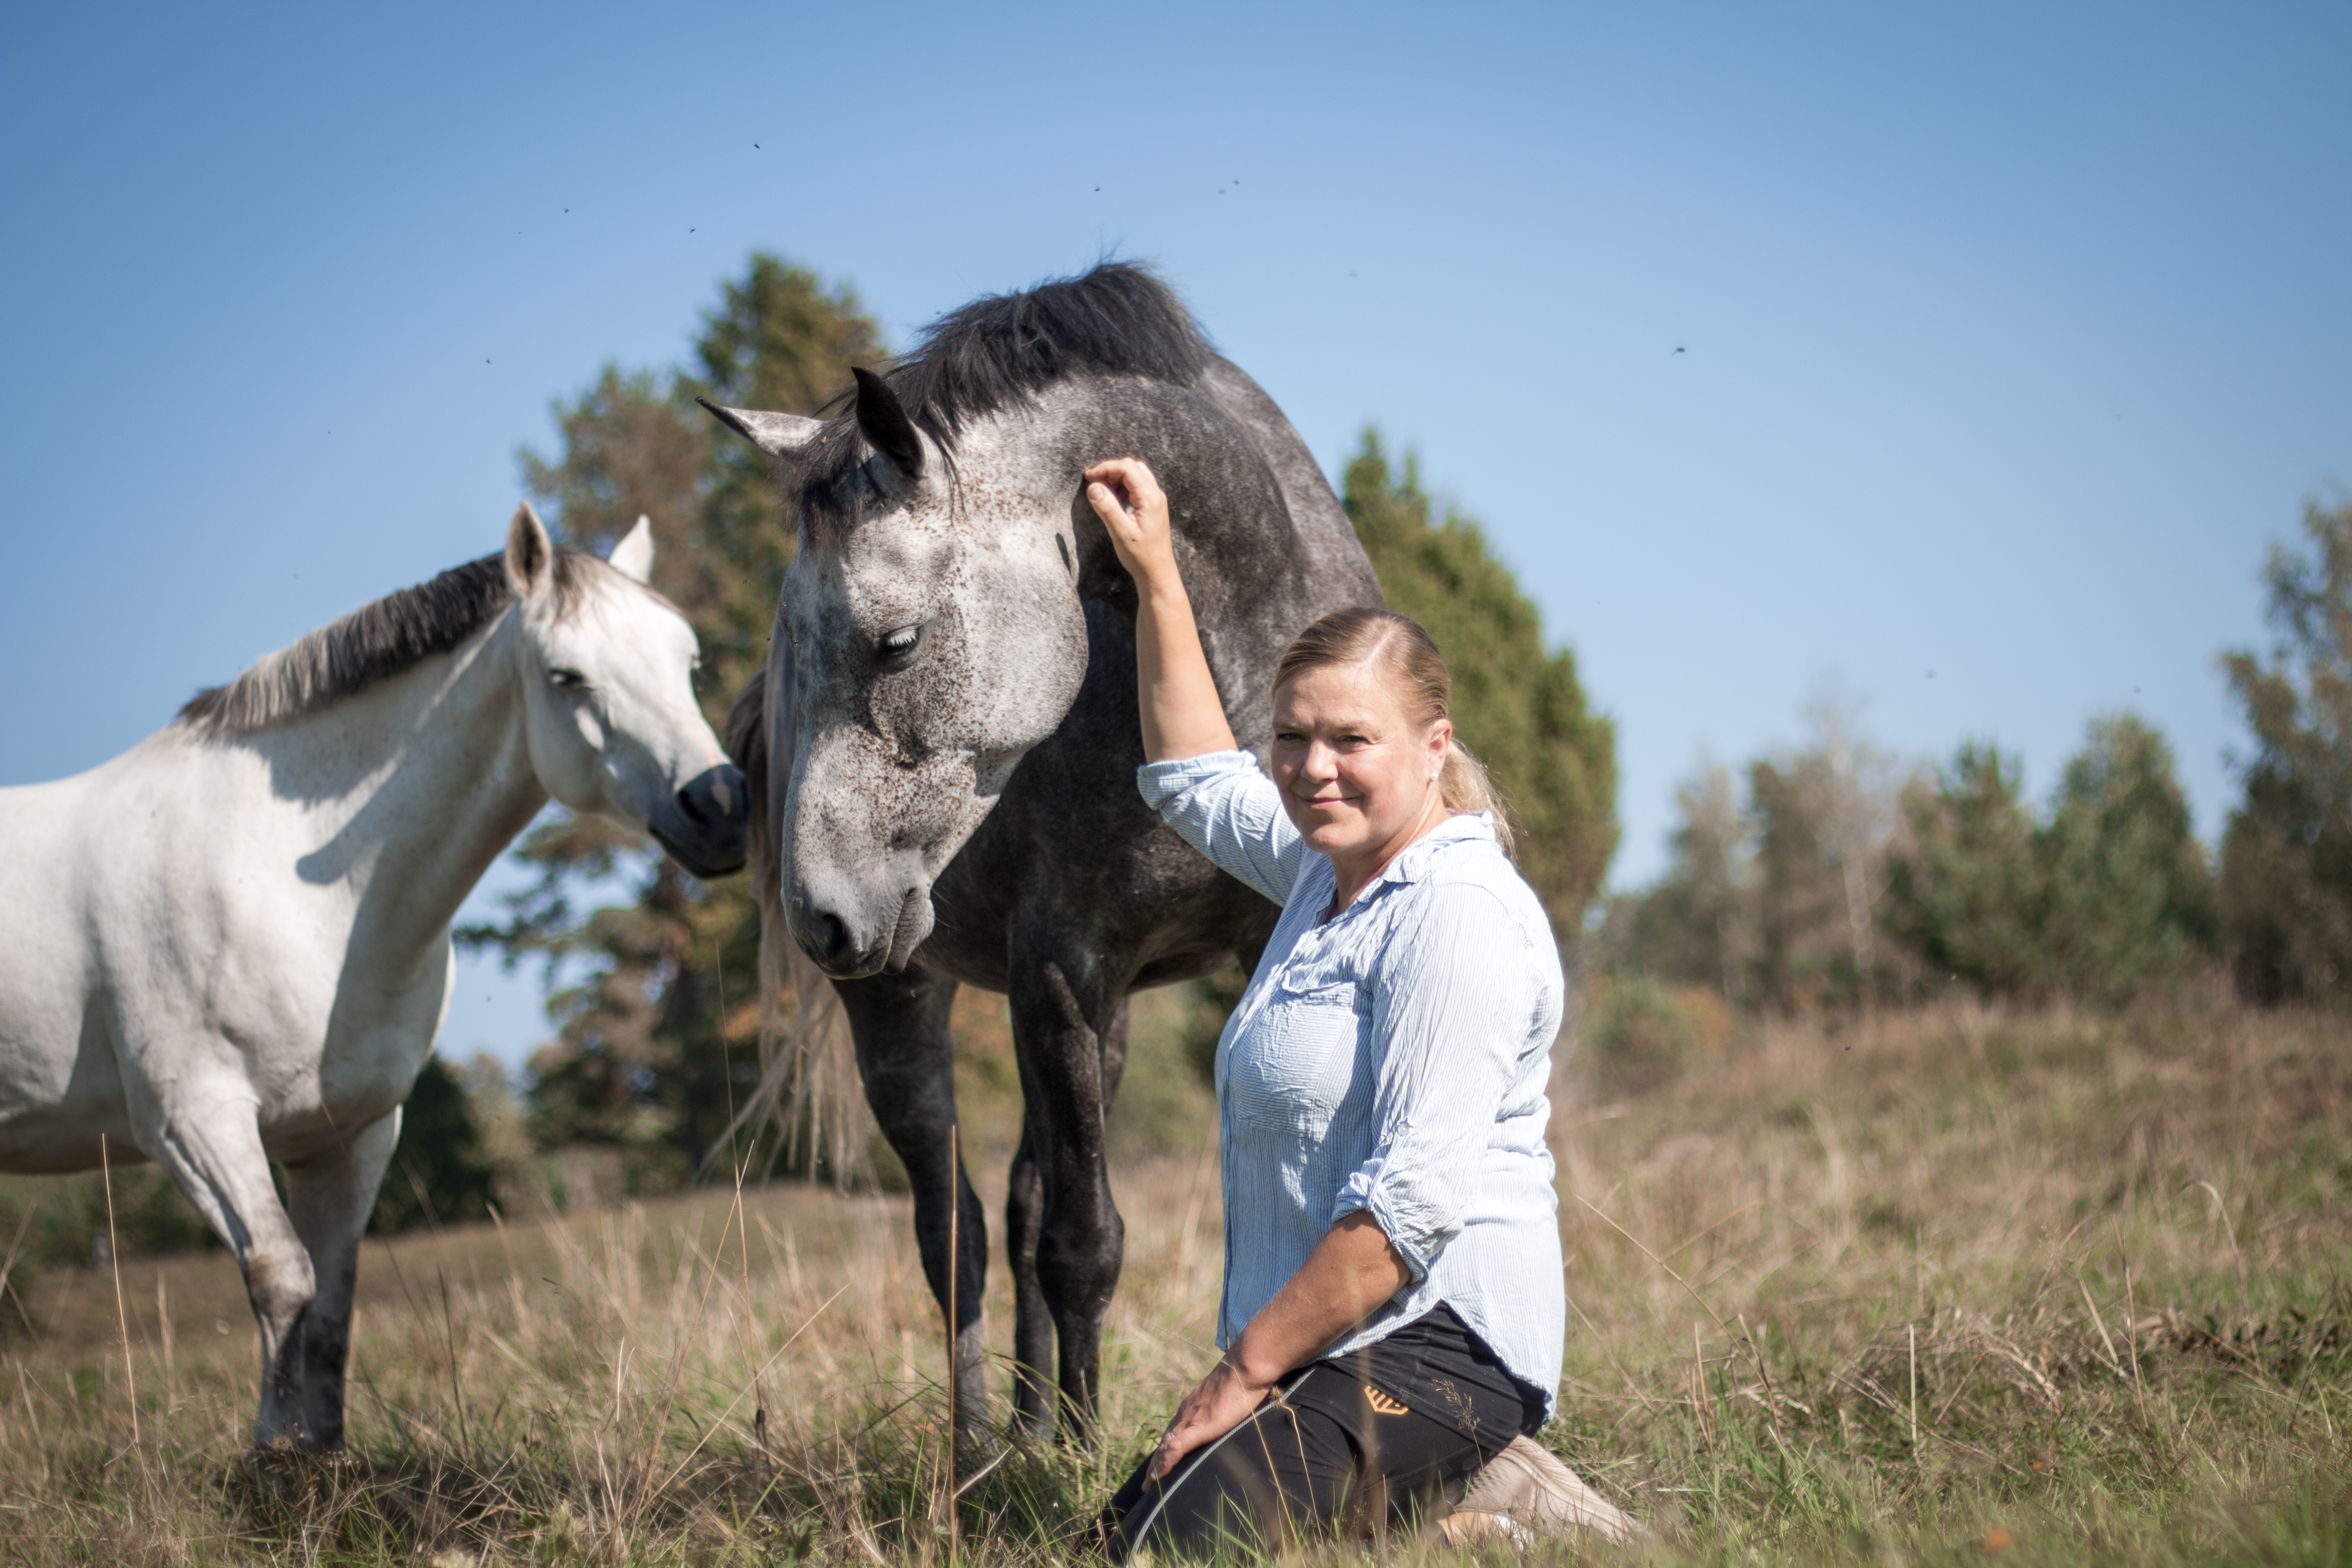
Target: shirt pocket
[1293, 1067]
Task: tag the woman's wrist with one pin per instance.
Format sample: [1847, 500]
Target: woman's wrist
[1239, 1360]
[1159, 584]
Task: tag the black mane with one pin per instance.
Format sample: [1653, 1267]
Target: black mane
[1005, 349]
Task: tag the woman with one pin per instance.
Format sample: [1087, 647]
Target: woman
[1393, 1305]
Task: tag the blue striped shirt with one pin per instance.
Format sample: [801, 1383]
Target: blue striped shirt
[1393, 1058]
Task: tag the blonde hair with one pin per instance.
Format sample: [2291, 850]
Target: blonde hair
[1398, 651]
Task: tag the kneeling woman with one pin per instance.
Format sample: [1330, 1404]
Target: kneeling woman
[1393, 1304]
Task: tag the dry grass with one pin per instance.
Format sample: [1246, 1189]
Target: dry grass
[2108, 1256]
[2067, 1285]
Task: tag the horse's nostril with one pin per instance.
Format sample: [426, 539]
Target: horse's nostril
[833, 934]
[692, 808]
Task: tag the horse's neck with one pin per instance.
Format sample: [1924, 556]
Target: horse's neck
[1268, 548]
[426, 778]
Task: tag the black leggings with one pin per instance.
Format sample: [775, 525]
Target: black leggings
[1383, 1435]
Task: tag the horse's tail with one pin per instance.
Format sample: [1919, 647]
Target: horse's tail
[809, 1109]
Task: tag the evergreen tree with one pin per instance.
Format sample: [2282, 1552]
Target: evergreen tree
[1966, 893]
[2105, 897]
[2287, 857]
[1519, 707]
[650, 1053]
[439, 1174]
[2129, 898]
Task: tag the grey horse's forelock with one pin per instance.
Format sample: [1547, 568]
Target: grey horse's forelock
[374, 643]
[1006, 349]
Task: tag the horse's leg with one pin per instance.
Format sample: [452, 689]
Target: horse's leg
[206, 1136]
[1024, 1219]
[1032, 1322]
[1071, 1042]
[329, 1197]
[907, 1059]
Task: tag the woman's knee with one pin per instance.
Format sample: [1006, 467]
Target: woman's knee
[1285, 1472]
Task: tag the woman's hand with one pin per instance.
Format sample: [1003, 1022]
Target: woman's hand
[1223, 1401]
[1182, 716]
[1351, 1273]
[1127, 497]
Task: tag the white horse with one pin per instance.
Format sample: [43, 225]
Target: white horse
[230, 944]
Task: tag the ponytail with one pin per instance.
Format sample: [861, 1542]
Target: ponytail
[1464, 785]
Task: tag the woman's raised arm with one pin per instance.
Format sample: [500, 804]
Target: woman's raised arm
[1181, 714]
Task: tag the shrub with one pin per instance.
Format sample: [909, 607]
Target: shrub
[1637, 1035]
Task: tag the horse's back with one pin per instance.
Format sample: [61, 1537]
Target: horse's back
[1328, 551]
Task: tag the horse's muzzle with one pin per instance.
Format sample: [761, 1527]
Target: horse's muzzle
[705, 825]
[847, 955]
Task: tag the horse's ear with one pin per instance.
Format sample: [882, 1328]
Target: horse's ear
[882, 419]
[634, 556]
[778, 435]
[530, 554]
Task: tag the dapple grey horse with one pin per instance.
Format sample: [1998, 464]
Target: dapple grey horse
[943, 744]
[229, 946]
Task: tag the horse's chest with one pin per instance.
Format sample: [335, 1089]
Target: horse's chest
[360, 1064]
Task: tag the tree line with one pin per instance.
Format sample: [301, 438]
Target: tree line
[1825, 879]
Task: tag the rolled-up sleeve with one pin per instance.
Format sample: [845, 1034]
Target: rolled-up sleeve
[1447, 1026]
[1224, 805]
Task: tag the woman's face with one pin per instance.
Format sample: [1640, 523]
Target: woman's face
[1355, 775]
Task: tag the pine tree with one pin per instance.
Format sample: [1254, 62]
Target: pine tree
[2105, 896]
[1966, 893]
[2129, 899]
[1773, 895]
[440, 1173]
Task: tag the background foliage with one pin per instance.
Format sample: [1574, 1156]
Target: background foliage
[2286, 856]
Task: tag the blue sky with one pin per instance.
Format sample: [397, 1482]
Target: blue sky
[2011, 335]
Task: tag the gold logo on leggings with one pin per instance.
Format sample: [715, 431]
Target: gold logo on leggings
[1381, 1404]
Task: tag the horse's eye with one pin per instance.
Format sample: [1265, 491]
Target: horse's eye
[898, 644]
[567, 680]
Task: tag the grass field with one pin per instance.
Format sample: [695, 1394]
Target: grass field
[1936, 1287]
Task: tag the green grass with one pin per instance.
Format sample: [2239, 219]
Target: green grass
[1937, 1289]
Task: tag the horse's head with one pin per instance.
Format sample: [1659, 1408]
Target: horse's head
[929, 634]
[608, 692]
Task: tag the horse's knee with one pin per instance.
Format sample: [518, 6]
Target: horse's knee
[1078, 1258]
[281, 1285]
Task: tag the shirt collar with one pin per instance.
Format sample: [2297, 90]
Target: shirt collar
[1413, 864]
